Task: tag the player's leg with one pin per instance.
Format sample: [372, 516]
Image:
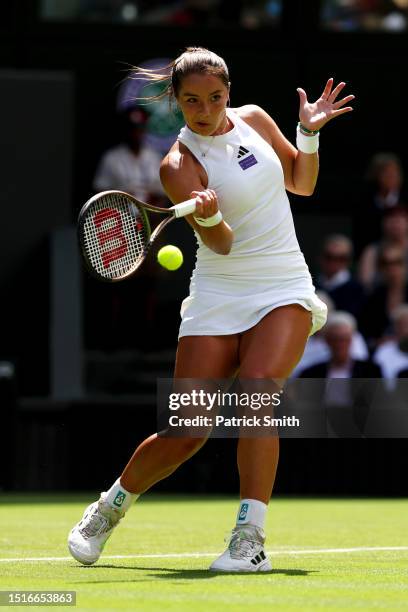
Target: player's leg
[270, 350]
[286, 330]
[198, 357]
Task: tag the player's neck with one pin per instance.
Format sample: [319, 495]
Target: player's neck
[225, 127]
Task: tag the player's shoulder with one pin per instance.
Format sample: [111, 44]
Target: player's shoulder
[251, 112]
[171, 161]
[258, 119]
[176, 160]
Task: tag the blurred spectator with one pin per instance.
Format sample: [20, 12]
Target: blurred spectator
[192, 12]
[385, 177]
[384, 190]
[345, 400]
[246, 13]
[317, 349]
[335, 277]
[392, 356]
[338, 334]
[131, 166]
[392, 291]
[394, 232]
[369, 15]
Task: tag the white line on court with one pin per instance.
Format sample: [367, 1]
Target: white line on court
[273, 553]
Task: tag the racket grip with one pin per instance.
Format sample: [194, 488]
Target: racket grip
[184, 208]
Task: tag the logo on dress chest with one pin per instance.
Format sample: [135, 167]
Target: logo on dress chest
[246, 158]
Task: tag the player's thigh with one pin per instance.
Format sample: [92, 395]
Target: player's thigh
[273, 347]
[203, 363]
[207, 357]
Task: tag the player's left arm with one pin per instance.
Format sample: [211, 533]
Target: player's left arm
[300, 169]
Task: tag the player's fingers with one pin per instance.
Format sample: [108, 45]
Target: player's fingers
[347, 109]
[302, 96]
[212, 197]
[206, 203]
[201, 199]
[343, 101]
[209, 193]
[213, 203]
[336, 91]
[327, 89]
[203, 211]
[194, 194]
[199, 205]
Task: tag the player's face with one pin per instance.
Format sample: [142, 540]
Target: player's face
[202, 99]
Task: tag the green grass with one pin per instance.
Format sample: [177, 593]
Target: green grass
[37, 526]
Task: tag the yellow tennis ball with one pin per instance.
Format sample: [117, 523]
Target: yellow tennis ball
[170, 257]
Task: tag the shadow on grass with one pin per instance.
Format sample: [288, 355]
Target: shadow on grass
[166, 573]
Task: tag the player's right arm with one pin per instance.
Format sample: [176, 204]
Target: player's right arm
[181, 181]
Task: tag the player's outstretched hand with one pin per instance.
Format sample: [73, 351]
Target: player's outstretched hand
[207, 203]
[314, 115]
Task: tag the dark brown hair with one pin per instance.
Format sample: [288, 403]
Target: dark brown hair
[192, 61]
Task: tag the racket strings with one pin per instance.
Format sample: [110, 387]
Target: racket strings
[115, 236]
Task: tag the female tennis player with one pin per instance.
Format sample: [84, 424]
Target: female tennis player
[252, 304]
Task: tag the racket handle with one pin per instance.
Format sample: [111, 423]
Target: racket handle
[184, 208]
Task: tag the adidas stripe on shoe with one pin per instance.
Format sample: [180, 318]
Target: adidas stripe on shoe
[245, 552]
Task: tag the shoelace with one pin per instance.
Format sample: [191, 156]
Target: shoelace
[243, 542]
[96, 525]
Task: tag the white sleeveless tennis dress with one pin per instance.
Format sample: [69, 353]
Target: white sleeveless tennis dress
[265, 267]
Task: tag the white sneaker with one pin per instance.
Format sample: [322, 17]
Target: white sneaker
[87, 539]
[245, 552]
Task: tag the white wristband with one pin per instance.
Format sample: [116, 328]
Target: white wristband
[307, 144]
[210, 221]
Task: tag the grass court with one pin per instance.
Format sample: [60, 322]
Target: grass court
[327, 554]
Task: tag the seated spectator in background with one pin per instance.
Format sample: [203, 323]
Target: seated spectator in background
[317, 349]
[392, 291]
[335, 277]
[392, 355]
[131, 166]
[394, 232]
[386, 178]
[338, 333]
[346, 401]
[384, 191]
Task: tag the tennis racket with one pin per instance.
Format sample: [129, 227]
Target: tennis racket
[115, 235]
